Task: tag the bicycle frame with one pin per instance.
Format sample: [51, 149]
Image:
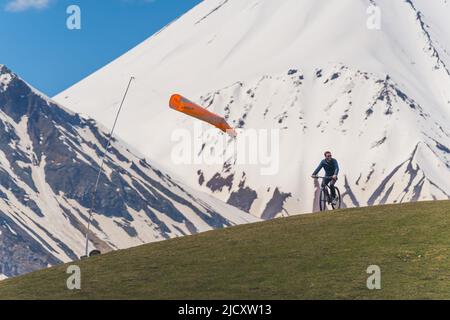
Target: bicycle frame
[325, 188]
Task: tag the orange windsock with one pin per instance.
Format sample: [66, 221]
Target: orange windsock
[181, 104]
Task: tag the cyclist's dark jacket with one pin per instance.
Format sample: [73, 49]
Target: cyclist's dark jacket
[331, 167]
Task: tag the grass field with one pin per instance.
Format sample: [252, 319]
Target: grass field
[317, 256]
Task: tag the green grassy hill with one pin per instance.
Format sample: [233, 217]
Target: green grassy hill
[322, 256]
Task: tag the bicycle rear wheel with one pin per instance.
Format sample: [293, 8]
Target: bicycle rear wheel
[323, 199]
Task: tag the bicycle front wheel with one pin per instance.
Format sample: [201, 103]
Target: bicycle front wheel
[338, 202]
[323, 200]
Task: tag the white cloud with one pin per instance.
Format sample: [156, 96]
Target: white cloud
[22, 5]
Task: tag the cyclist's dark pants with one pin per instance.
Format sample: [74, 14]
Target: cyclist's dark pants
[331, 182]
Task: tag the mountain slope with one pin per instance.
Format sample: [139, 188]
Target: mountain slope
[49, 159]
[320, 256]
[310, 72]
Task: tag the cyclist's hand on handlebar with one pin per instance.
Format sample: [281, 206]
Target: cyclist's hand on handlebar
[334, 177]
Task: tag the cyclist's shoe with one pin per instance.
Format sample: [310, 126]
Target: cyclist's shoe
[334, 201]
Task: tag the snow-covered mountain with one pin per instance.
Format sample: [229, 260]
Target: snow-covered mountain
[49, 160]
[321, 72]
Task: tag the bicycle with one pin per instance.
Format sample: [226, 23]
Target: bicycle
[325, 199]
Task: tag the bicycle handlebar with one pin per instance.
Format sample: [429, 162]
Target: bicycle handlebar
[326, 177]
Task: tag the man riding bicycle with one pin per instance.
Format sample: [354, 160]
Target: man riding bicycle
[331, 167]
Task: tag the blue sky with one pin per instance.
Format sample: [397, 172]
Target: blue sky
[37, 45]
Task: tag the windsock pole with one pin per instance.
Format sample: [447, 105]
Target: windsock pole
[100, 169]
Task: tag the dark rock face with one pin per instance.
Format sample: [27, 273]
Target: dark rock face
[218, 182]
[275, 205]
[37, 134]
[19, 252]
[243, 198]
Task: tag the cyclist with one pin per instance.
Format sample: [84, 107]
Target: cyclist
[331, 167]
